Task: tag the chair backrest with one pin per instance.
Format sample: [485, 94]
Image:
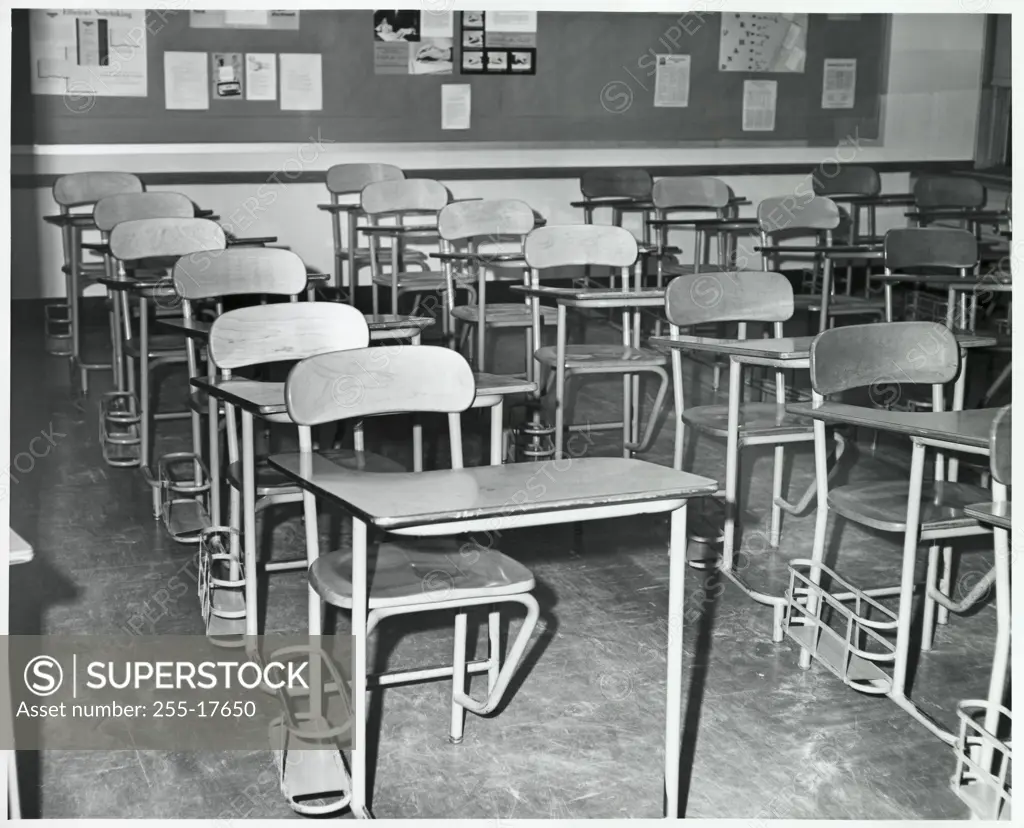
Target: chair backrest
[690, 191]
[883, 355]
[112, 210]
[372, 381]
[346, 179]
[1000, 447]
[849, 179]
[949, 191]
[784, 214]
[742, 296]
[404, 196]
[239, 270]
[149, 238]
[79, 189]
[285, 332]
[491, 219]
[930, 247]
[580, 244]
[624, 182]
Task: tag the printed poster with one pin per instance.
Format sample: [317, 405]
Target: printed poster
[186, 80]
[88, 52]
[226, 76]
[413, 42]
[758, 42]
[499, 43]
[839, 86]
[672, 81]
[759, 99]
[274, 19]
[301, 82]
[455, 105]
[261, 77]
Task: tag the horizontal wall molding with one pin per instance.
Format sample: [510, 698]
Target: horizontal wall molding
[180, 178]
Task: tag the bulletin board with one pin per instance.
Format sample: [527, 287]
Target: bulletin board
[594, 84]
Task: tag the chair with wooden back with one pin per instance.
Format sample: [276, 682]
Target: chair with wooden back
[75, 195]
[931, 250]
[492, 234]
[413, 571]
[247, 338]
[590, 245]
[848, 186]
[884, 360]
[780, 220]
[387, 204]
[344, 183]
[739, 297]
[156, 238]
[623, 189]
[119, 409]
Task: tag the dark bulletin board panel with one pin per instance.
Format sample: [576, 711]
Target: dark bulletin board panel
[594, 84]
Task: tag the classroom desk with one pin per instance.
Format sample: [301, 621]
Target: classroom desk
[967, 431]
[478, 500]
[791, 353]
[997, 515]
[267, 401]
[982, 283]
[20, 552]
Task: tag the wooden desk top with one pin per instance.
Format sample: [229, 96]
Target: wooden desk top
[616, 202]
[397, 501]
[991, 514]
[340, 208]
[785, 349]
[738, 223]
[198, 329]
[835, 251]
[1001, 283]
[596, 297]
[406, 231]
[267, 398]
[879, 200]
[969, 213]
[20, 549]
[971, 428]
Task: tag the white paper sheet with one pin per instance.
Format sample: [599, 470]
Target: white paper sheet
[246, 18]
[186, 81]
[437, 24]
[301, 82]
[839, 86]
[511, 21]
[261, 77]
[88, 52]
[672, 81]
[759, 98]
[762, 42]
[456, 105]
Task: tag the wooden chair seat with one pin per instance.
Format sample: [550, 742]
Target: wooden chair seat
[882, 505]
[161, 346]
[602, 357]
[384, 254]
[505, 315]
[416, 571]
[199, 401]
[756, 420]
[493, 385]
[270, 480]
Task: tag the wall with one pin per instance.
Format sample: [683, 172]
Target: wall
[930, 114]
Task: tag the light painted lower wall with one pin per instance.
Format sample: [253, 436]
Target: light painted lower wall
[930, 114]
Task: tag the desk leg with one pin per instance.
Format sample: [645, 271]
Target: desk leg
[359, 604]
[213, 432]
[497, 432]
[904, 617]
[674, 679]
[732, 462]
[481, 325]
[560, 383]
[353, 275]
[249, 524]
[417, 429]
[1001, 656]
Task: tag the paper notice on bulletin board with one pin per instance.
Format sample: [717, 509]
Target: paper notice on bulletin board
[301, 82]
[456, 100]
[227, 78]
[672, 81]
[752, 42]
[759, 99]
[261, 77]
[88, 52]
[839, 87]
[275, 19]
[498, 43]
[186, 80]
